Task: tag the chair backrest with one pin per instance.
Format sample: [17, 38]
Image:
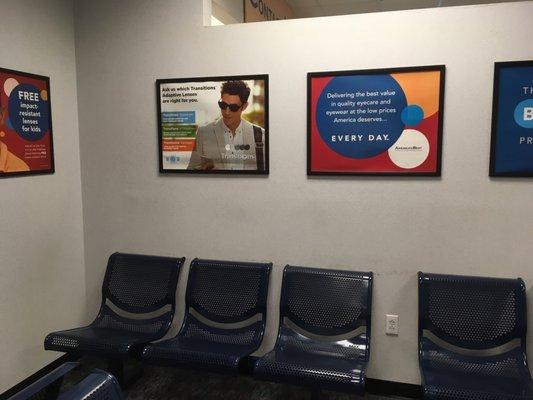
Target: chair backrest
[139, 283]
[326, 302]
[227, 291]
[472, 312]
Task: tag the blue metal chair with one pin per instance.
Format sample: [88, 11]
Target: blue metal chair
[136, 285]
[225, 315]
[324, 333]
[98, 385]
[472, 338]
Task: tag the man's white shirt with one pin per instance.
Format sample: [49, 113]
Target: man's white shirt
[232, 141]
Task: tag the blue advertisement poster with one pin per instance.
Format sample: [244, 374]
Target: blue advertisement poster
[512, 120]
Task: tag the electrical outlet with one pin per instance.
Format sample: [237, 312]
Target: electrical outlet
[392, 326]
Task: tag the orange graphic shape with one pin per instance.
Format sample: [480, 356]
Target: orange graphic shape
[10, 162]
[421, 88]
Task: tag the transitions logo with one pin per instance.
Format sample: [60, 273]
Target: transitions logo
[172, 159]
[242, 147]
[408, 148]
[238, 147]
[238, 156]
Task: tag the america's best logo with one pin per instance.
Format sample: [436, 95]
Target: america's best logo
[408, 148]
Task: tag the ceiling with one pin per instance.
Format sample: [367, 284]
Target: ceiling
[319, 8]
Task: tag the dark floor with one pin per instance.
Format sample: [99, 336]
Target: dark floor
[170, 383]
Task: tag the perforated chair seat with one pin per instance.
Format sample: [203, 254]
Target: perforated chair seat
[336, 373]
[449, 375]
[206, 347]
[199, 353]
[98, 340]
[324, 332]
[136, 284]
[222, 294]
[472, 338]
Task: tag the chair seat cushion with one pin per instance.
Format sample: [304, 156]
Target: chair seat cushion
[324, 371]
[201, 354]
[98, 340]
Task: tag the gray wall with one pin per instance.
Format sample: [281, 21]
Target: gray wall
[42, 280]
[463, 222]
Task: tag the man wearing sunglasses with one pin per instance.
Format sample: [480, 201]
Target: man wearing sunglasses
[230, 143]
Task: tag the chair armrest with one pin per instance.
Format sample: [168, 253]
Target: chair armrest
[45, 381]
[98, 383]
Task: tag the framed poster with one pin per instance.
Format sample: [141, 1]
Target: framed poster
[26, 145]
[375, 122]
[512, 120]
[213, 125]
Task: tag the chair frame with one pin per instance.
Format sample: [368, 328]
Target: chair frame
[244, 362]
[519, 331]
[125, 367]
[316, 391]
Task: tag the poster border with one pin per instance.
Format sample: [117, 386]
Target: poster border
[498, 66]
[158, 83]
[381, 71]
[50, 170]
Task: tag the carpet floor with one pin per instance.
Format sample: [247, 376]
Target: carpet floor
[161, 383]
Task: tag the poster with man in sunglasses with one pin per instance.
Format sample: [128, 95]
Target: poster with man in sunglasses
[214, 125]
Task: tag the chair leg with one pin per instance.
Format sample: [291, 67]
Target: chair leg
[127, 371]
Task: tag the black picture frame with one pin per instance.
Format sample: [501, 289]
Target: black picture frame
[46, 80]
[498, 67]
[263, 77]
[382, 71]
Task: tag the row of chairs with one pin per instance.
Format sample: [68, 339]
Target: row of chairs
[471, 330]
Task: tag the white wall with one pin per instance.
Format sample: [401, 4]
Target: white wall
[463, 222]
[42, 281]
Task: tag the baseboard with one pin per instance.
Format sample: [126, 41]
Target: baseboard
[389, 388]
[37, 375]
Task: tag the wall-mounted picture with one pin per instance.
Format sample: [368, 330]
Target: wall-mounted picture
[213, 125]
[512, 120]
[375, 122]
[26, 145]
